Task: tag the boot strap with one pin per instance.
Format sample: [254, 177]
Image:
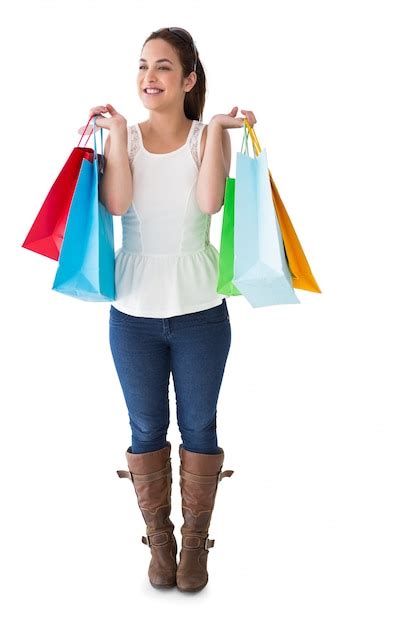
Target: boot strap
[225, 474]
[205, 480]
[159, 538]
[197, 542]
[145, 478]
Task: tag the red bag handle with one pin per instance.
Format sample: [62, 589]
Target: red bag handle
[85, 128]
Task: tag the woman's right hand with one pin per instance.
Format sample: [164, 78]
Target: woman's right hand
[110, 123]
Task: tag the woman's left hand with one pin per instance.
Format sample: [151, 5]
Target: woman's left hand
[231, 121]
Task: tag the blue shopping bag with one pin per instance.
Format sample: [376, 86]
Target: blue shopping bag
[261, 271]
[86, 261]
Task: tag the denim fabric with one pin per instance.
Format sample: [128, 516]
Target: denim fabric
[194, 347]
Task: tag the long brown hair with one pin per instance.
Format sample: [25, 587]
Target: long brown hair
[195, 99]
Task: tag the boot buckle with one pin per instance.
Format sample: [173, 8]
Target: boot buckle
[208, 543]
[224, 474]
[125, 474]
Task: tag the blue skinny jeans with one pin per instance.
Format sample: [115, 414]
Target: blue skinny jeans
[194, 347]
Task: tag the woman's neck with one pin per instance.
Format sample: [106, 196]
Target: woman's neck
[167, 126]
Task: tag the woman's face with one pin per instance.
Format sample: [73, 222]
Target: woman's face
[159, 67]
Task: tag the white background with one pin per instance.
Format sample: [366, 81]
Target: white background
[317, 410]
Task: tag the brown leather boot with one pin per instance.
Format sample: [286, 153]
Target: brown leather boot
[200, 474]
[151, 475]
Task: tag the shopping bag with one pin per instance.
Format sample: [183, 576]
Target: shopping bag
[86, 261]
[47, 231]
[226, 253]
[261, 271]
[302, 277]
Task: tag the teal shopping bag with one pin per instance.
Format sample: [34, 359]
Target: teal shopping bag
[86, 260]
[261, 271]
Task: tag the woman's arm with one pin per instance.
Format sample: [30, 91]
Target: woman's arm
[214, 169]
[115, 188]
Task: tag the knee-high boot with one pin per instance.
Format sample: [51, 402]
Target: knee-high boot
[151, 475]
[200, 475]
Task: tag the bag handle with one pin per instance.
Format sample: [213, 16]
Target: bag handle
[245, 139]
[255, 143]
[93, 130]
[249, 131]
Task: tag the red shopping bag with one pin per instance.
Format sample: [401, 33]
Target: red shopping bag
[47, 232]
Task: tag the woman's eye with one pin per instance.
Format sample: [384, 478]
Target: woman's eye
[160, 68]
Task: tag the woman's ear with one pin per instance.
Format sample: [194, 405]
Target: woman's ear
[191, 80]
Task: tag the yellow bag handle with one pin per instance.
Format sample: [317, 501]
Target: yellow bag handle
[256, 146]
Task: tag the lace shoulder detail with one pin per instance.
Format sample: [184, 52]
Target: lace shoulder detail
[195, 143]
[132, 142]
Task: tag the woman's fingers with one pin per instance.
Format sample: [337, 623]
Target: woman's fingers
[250, 116]
[113, 118]
[98, 110]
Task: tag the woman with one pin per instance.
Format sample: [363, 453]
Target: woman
[166, 177]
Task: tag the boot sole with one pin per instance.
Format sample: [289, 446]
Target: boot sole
[163, 586]
[191, 589]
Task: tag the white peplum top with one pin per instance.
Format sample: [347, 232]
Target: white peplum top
[167, 265]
